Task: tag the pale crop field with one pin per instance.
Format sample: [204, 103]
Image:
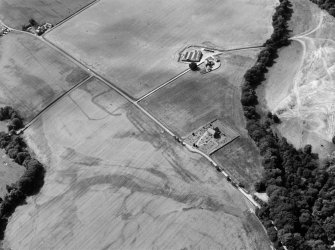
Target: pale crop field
[115, 181]
[303, 80]
[15, 13]
[195, 99]
[32, 74]
[135, 44]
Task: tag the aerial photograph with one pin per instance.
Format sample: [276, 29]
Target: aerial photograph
[167, 124]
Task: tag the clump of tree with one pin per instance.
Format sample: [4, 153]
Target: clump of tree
[217, 133]
[29, 183]
[32, 23]
[193, 66]
[8, 113]
[301, 207]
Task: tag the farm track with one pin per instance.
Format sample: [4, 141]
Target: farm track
[129, 98]
[162, 86]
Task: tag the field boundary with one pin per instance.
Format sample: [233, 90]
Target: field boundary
[52, 103]
[71, 16]
[163, 85]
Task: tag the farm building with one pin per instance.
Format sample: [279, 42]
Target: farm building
[192, 56]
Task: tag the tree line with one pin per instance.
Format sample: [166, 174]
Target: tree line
[33, 178]
[8, 113]
[328, 5]
[300, 211]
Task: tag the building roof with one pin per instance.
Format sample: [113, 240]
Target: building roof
[211, 131]
[192, 56]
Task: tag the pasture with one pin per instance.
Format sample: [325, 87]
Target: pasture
[115, 181]
[32, 74]
[15, 13]
[196, 99]
[10, 172]
[135, 46]
[306, 17]
[306, 103]
[279, 82]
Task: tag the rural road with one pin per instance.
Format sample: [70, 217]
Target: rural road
[129, 98]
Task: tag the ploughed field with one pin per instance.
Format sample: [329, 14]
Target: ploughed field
[15, 13]
[32, 74]
[115, 181]
[195, 99]
[300, 88]
[136, 45]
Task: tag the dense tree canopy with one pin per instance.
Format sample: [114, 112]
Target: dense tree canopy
[8, 113]
[32, 179]
[301, 194]
[193, 66]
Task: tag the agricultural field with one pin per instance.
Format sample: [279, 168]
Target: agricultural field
[114, 180]
[135, 46]
[32, 74]
[15, 13]
[306, 103]
[195, 99]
